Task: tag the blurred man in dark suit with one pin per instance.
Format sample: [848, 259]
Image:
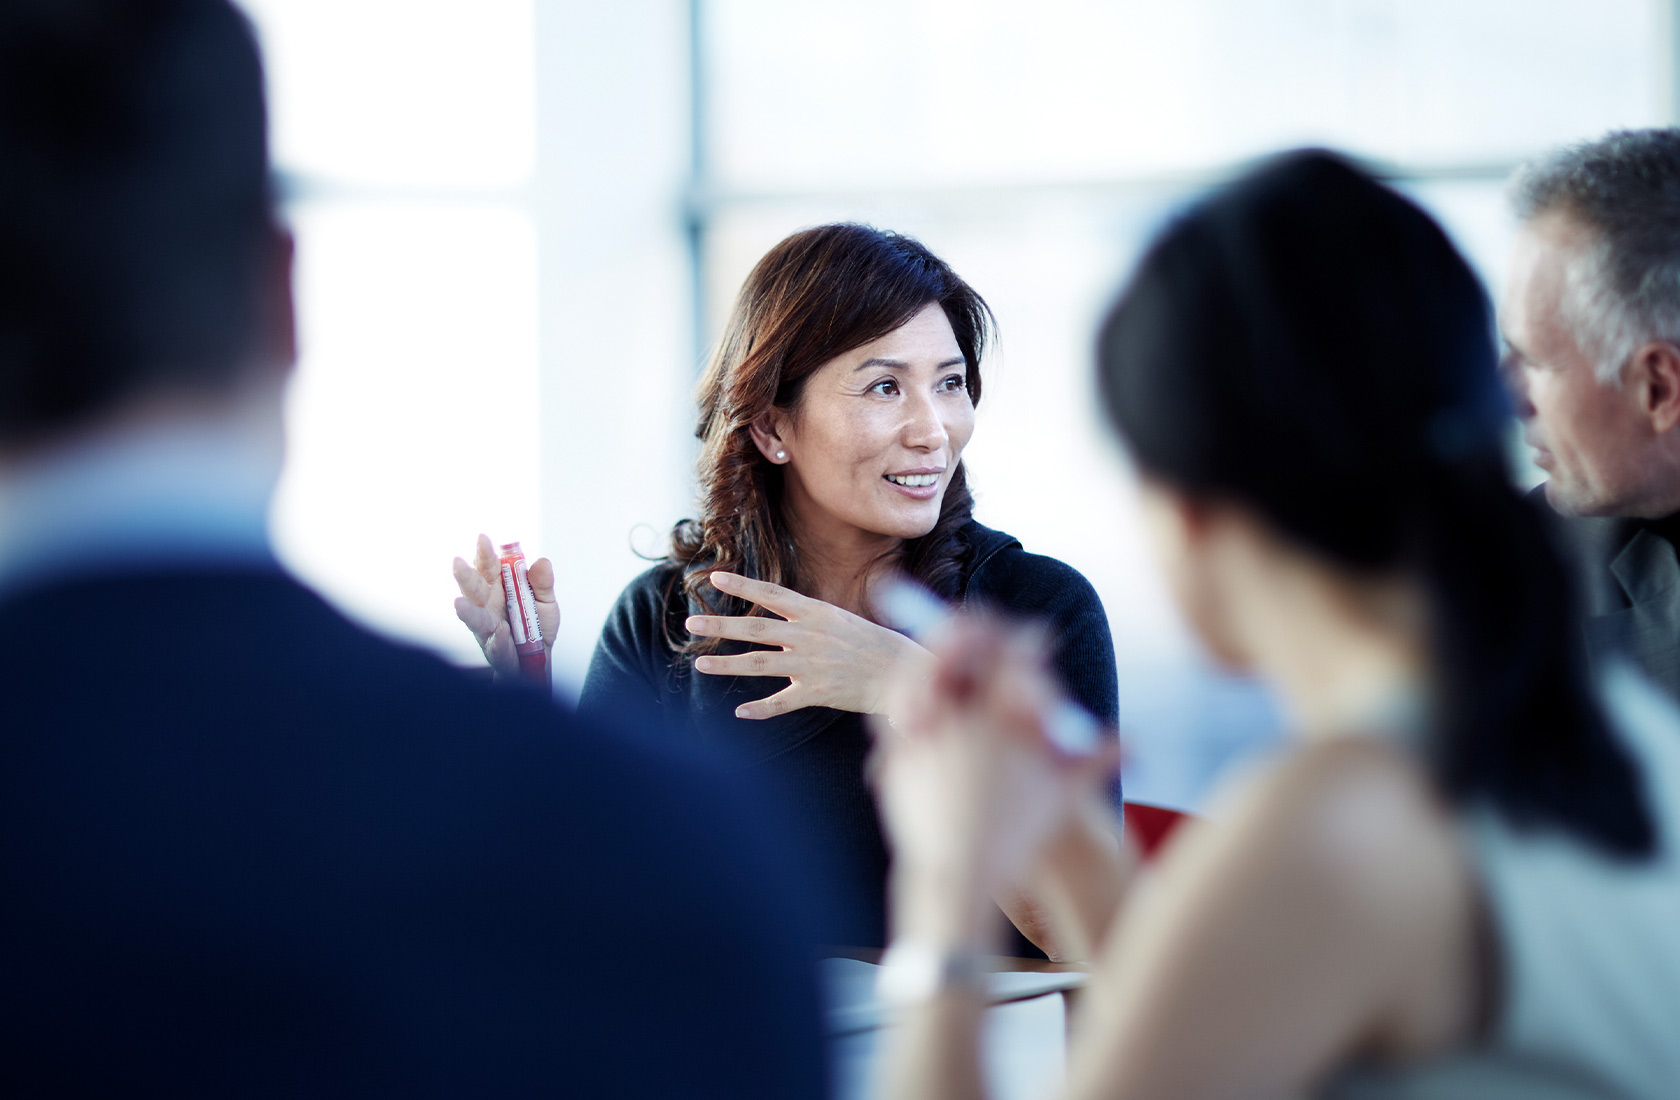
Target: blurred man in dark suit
[1591, 319]
[249, 849]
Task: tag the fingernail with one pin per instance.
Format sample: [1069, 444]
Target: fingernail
[703, 663]
[740, 712]
[721, 579]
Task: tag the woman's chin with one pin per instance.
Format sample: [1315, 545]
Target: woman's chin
[913, 526]
[899, 518]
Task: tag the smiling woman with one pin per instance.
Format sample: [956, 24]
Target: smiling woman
[882, 427]
[833, 419]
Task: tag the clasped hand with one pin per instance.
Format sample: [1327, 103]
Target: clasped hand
[831, 657]
[973, 790]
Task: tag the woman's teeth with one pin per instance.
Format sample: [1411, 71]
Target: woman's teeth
[914, 481]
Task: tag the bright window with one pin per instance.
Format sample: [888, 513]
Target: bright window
[1037, 148]
[404, 132]
[508, 235]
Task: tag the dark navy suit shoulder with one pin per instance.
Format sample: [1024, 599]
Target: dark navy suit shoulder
[255, 850]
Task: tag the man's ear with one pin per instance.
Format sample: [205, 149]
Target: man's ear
[767, 435]
[1656, 373]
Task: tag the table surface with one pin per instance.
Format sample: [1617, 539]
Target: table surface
[1000, 963]
[1025, 1047]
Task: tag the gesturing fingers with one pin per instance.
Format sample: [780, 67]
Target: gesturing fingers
[755, 628]
[762, 662]
[487, 563]
[479, 619]
[498, 649]
[473, 586]
[770, 706]
[783, 601]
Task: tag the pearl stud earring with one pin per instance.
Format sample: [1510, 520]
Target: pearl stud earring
[781, 456]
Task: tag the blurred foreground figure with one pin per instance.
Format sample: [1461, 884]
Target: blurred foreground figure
[1591, 319]
[253, 850]
[1464, 880]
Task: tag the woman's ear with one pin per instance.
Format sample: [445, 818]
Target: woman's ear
[767, 435]
[1175, 521]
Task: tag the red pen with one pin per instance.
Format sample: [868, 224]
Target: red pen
[522, 614]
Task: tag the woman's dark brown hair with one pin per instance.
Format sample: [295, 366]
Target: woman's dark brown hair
[818, 294]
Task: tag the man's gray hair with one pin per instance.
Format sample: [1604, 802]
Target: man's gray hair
[1625, 289]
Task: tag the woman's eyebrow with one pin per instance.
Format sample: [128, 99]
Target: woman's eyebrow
[899, 364]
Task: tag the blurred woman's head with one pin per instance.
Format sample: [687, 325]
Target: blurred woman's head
[1307, 346]
[838, 403]
[1309, 343]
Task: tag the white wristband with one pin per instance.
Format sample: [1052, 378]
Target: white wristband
[913, 972]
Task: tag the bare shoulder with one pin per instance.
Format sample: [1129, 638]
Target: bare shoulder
[1355, 829]
[1352, 835]
[1347, 808]
[1350, 830]
[1333, 883]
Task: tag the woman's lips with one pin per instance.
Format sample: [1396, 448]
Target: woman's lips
[917, 485]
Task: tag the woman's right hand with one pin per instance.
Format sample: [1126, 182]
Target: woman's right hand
[482, 605]
[973, 791]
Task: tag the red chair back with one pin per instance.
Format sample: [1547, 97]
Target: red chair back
[1149, 825]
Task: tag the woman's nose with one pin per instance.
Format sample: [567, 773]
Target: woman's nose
[925, 428]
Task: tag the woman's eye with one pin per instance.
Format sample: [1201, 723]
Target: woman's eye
[886, 387]
[954, 383]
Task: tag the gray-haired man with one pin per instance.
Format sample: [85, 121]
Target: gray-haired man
[1591, 318]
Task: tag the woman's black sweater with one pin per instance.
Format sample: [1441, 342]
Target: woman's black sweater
[816, 756]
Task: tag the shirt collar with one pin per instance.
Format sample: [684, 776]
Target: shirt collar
[192, 492]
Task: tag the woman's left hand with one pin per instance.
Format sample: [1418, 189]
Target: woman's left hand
[834, 658]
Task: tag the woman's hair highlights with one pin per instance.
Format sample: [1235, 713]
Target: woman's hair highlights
[816, 295]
